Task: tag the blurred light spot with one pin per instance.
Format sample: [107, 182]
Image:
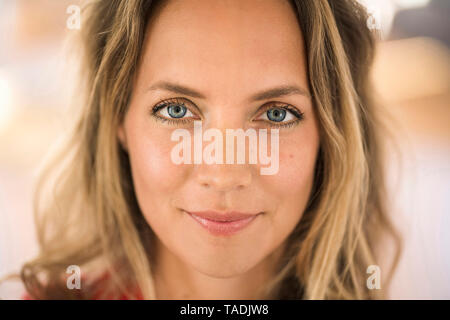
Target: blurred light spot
[6, 100]
[412, 3]
[383, 11]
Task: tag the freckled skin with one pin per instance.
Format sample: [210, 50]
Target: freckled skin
[228, 50]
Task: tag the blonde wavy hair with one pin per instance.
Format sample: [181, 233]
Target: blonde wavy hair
[85, 206]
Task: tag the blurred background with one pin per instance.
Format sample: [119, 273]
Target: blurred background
[411, 76]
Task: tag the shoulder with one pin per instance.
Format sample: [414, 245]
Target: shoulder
[97, 288]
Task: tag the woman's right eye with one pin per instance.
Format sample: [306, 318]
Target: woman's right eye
[175, 111]
[172, 111]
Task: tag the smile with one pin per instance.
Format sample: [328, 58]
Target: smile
[223, 224]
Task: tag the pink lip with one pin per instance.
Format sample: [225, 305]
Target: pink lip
[226, 223]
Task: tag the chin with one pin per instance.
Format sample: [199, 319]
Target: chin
[223, 271]
[222, 264]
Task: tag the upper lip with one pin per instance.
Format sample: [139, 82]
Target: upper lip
[222, 216]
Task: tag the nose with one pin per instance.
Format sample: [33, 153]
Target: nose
[224, 177]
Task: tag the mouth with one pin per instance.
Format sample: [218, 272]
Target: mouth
[223, 224]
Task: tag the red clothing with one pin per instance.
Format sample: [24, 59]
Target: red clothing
[96, 288]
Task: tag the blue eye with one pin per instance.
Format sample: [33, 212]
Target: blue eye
[172, 110]
[281, 116]
[276, 114]
[177, 111]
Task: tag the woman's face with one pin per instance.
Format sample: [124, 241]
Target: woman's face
[218, 57]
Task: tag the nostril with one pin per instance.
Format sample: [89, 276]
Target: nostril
[223, 177]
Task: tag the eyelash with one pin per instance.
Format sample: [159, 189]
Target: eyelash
[271, 105]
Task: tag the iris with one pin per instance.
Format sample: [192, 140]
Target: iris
[176, 111]
[276, 114]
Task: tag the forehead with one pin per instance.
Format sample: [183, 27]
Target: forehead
[226, 46]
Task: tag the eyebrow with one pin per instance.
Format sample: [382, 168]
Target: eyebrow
[275, 92]
[280, 92]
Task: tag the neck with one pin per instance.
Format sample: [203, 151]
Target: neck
[175, 279]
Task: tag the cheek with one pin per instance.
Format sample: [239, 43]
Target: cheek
[292, 185]
[297, 173]
[155, 176]
[150, 157]
[297, 163]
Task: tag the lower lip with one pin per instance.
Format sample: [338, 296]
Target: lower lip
[223, 228]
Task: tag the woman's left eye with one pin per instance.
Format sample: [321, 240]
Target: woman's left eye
[278, 115]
